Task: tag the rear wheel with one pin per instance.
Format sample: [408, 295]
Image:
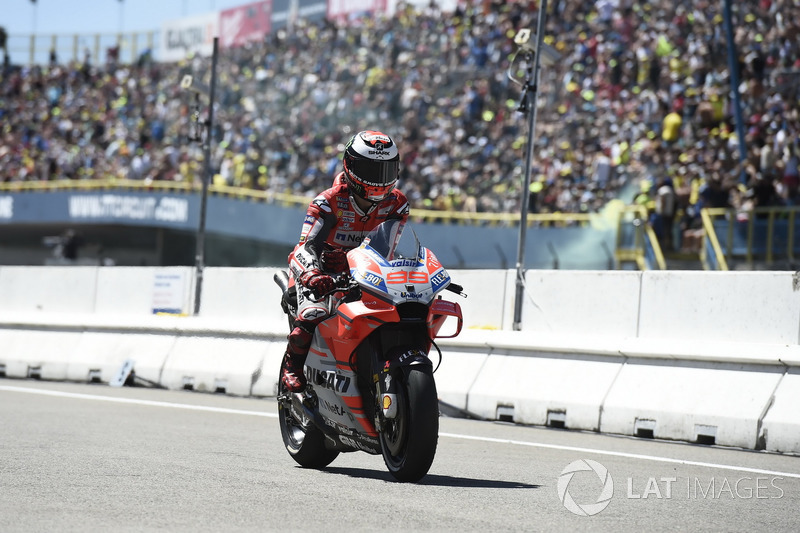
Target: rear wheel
[303, 440]
[408, 442]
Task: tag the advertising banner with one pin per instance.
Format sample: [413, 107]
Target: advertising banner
[243, 24]
[188, 35]
[342, 10]
[286, 13]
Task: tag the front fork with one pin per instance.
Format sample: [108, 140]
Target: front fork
[397, 363]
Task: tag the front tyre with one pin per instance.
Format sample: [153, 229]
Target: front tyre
[303, 440]
[408, 442]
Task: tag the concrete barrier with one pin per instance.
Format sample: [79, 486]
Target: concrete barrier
[746, 307]
[581, 303]
[489, 303]
[544, 389]
[657, 354]
[138, 291]
[47, 289]
[99, 355]
[214, 364]
[690, 401]
[780, 431]
[241, 292]
[37, 353]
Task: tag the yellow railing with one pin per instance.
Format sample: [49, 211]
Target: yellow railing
[727, 249]
[711, 235]
[36, 49]
[636, 244]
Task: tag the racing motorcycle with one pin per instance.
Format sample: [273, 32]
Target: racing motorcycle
[370, 378]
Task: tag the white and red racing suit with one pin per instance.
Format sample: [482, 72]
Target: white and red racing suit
[333, 222]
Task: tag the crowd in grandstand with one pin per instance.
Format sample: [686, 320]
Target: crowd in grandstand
[642, 94]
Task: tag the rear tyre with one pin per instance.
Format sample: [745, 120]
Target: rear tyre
[303, 440]
[408, 442]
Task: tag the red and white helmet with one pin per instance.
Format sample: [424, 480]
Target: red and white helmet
[371, 165]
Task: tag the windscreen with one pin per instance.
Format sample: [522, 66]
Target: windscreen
[392, 240]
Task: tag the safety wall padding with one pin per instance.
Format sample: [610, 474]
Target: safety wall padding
[214, 364]
[752, 307]
[581, 303]
[48, 289]
[690, 401]
[780, 430]
[529, 389]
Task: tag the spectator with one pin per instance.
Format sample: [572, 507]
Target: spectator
[633, 74]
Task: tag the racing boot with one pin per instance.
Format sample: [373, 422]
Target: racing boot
[292, 374]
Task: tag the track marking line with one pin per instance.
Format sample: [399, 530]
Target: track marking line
[622, 454]
[150, 403]
[560, 447]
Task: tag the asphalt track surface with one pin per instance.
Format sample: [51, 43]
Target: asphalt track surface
[79, 457]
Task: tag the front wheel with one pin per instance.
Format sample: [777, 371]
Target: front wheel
[408, 442]
[303, 440]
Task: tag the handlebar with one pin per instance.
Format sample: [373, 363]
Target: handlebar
[456, 288]
[343, 282]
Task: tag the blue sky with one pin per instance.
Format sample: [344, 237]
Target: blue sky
[99, 16]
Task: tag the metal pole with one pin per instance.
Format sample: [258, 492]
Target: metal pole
[201, 230]
[733, 66]
[531, 90]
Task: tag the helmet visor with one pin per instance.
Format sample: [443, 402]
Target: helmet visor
[374, 173]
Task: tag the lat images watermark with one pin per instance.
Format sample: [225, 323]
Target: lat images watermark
[606, 492]
[601, 485]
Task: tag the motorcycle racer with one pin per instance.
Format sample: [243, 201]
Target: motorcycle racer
[362, 196]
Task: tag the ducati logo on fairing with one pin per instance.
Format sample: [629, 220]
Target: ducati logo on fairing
[329, 379]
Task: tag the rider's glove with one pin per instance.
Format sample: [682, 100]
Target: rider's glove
[319, 283]
[334, 260]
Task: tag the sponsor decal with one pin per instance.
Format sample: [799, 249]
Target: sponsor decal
[412, 295]
[167, 209]
[340, 428]
[334, 408]
[322, 204]
[440, 279]
[348, 238]
[411, 353]
[403, 263]
[329, 379]
[7, 207]
[353, 443]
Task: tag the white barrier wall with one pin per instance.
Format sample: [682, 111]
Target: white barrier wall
[582, 303]
[48, 289]
[732, 306]
[676, 355]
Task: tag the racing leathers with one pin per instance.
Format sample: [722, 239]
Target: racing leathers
[334, 224]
